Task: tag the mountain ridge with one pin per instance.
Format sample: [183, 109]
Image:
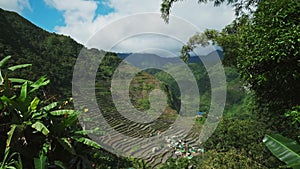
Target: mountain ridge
[160, 60]
[49, 53]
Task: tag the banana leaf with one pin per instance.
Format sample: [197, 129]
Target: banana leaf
[285, 149]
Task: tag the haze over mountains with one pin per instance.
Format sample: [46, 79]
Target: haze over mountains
[148, 59]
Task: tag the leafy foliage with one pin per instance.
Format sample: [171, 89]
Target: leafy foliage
[203, 39]
[228, 159]
[10, 162]
[37, 132]
[294, 114]
[285, 149]
[264, 49]
[237, 101]
[214, 159]
[228, 39]
[242, 136]
[269, 59]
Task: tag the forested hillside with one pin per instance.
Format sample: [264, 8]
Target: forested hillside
[50, 54]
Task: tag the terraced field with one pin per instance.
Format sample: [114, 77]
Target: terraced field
[136, 138]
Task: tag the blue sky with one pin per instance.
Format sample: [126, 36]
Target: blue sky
[48, 17]
[82, 19]
[43, 15]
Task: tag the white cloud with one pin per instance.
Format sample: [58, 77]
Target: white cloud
[78, 17]
[204, 15]
[15, 5]
[82, 22]
[135, 6]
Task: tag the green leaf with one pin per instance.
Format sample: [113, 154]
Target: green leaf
[60, 164]
[1, 78]
[61, 112]
[40, 127]
[41, 162]
[50, 106]
[18, 161]
[10, 167]
[18, 80]
[10, 134]
[33, 105]
[285, 149]
[70, 119]
[6, 99]
[13, 68]
[39, 83]
[66, 145]
[6, 153]
[4, 60]
[23, 93]
[87, 142]
[46, 147]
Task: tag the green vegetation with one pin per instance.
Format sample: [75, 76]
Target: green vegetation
[42, 133]
[269, 61]
[214, 159]
[285, 149]
[140, 87]
[38, 131]
[237, 101]
[263, 46]
[260, 125]
[50, 54]
[259, 45]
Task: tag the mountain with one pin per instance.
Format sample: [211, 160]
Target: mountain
[147, 59]
[197, 59]
[50, 54]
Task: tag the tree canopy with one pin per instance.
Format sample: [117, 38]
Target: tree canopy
[269, 60]
[264, 47]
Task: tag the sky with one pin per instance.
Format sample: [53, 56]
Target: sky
[84, 19]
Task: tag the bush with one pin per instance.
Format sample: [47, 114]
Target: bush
[224, 160]
[242, 135]
[37, 132]
[213, 159]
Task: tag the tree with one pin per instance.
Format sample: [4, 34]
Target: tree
[203, 39]
[228, 39]
[269, 58]
[264, 46]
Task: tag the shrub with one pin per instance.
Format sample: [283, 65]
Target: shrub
[40, 133]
